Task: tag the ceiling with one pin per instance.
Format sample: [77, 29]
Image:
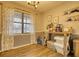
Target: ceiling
[43, 5]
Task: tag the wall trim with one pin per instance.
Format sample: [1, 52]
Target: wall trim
[17, 47]
[76, 33]
[41, 31]
[23, 34]
[21, 46]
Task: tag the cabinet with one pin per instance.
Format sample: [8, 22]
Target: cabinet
[61, 41]
[76, 47]
[50, 45]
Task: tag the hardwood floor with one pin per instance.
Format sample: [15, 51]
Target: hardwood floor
[30, 51]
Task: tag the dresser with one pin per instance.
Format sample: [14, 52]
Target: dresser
[50, 45]
[76, 47]
[60, 42]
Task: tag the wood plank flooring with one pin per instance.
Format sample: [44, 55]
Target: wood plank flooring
[30, 51]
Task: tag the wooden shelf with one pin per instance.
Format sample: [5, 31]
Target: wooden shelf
[60, 32]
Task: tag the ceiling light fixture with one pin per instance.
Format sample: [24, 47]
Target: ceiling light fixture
[33, 3]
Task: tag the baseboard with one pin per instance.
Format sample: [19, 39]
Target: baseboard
[17, 47]
[21, 46]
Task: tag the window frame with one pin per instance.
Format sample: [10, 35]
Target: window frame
[22, 23]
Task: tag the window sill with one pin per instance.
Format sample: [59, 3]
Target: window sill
[22, 34]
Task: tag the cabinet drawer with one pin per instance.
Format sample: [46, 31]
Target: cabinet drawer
[50, 45]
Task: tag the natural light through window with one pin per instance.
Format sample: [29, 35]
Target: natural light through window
[22, 23]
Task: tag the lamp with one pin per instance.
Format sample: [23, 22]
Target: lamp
[33, 3]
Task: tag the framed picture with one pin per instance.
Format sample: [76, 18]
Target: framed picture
[56, 20]
[49, 19]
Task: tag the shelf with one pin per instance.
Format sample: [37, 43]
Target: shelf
[60, 32]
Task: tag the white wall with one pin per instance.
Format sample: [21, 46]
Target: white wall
[58, 12]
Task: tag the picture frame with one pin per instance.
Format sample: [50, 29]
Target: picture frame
[56, 20]
[49, 18]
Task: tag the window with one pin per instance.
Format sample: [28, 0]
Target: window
[27, 23]
[22, 23]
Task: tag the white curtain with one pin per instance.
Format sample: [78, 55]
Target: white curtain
[33, 38]
[7, 34]
[8, 29]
